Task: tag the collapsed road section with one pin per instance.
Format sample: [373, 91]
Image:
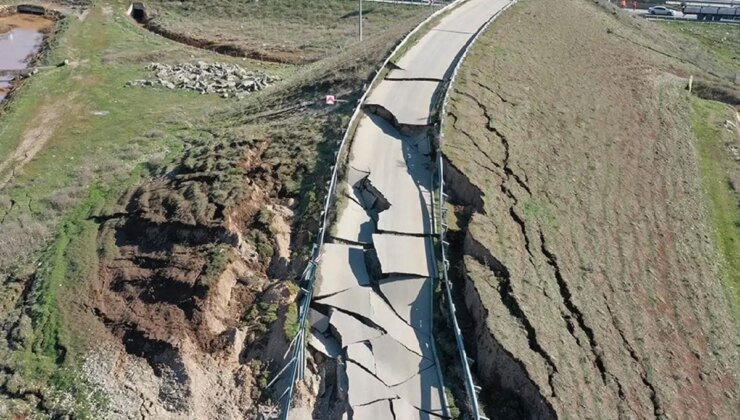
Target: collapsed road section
[372, 308]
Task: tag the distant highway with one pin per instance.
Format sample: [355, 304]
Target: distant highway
[679, 17]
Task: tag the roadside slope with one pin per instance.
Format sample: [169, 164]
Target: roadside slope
[590, 272]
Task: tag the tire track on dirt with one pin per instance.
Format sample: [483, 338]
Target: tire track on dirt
[33, 139]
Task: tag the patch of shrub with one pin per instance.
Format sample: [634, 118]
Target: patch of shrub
[290, 326]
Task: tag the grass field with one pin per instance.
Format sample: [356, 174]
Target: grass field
[719, 175]
[722, 40]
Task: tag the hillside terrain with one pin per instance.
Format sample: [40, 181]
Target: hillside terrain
[596, 206]
[151, 235]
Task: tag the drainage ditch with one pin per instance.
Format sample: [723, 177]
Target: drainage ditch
[147, 19]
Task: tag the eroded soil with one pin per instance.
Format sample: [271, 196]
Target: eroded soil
[589, 268]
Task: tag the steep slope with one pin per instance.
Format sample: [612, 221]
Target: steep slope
[589, 269]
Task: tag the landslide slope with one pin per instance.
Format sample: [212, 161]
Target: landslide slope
[589, 268]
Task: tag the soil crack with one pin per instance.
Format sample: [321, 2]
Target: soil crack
[477, 146]
[504, 100]
[657, 409]
[567, 296]
[504, 142]
[506, 294]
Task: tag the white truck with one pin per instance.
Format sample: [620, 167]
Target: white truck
[715, 13]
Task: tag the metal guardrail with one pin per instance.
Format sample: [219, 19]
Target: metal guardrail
[471, 388]
[689, 19]
[297, 364]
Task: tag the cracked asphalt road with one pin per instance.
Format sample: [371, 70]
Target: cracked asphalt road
[373, 297]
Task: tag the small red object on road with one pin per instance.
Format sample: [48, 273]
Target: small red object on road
[330, 99]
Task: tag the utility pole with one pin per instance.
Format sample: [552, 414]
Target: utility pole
[360, 20]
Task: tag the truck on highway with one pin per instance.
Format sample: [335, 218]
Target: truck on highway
[711, 12]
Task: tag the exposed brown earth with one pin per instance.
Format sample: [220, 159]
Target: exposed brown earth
[589, 269]
[33, 140]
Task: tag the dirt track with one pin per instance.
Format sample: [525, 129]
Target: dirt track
[591, 274]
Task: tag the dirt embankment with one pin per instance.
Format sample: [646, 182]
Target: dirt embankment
[589, 269]
[178, 276]
[10, 20]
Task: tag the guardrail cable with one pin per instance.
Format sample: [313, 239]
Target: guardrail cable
[471, 388]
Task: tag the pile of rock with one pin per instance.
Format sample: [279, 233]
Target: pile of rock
[227, 80]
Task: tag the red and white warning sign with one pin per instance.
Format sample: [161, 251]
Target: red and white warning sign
[330, 100]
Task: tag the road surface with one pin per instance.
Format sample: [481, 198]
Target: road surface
[372, 306]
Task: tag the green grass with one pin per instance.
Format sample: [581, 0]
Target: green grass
[724, 203]
[290, 326]
[67, 264]
[538, 211]
[219, 257]
[77, 92]
[722, 40]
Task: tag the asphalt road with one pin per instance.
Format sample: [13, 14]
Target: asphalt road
[373, 297]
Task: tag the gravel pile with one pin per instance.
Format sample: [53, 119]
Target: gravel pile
[227, 80]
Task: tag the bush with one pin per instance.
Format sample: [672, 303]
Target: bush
[290, 326]
[219, 258]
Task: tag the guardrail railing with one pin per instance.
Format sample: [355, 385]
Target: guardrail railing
[471, 388]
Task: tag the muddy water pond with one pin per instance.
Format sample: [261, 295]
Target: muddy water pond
[21, 36]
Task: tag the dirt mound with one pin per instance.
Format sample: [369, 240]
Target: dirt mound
[589, 273]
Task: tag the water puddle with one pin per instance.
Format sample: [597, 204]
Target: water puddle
[21, 36]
